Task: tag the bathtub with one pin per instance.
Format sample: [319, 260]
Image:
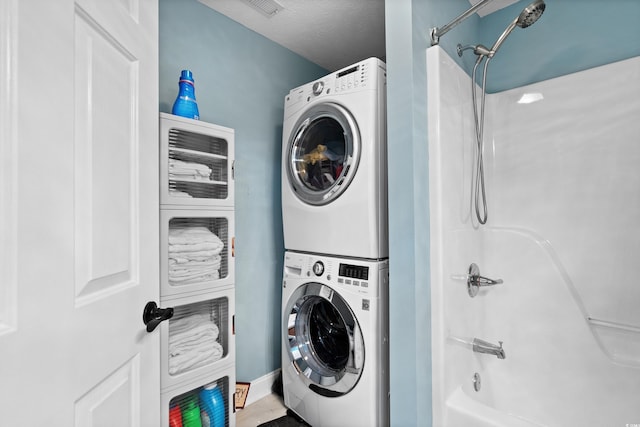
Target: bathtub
[563, 189]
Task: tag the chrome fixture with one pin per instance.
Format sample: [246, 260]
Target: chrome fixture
[477, 49]
[438, 32]
[527, 17]
[480, 346]
[475, 280]
[477, 382]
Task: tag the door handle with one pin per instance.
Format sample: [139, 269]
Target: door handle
[152, 315]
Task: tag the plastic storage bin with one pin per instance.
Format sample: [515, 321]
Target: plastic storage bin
[198, 339]
[195, 251]
[196, 167]
[188, 402]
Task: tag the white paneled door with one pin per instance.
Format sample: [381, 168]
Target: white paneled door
[79, 212]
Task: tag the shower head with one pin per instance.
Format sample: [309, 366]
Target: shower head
[527, 17]
[530, 14]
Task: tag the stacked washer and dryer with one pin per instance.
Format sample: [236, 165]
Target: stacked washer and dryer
[335, 326]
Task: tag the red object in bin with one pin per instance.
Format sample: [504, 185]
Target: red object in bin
[175, 417]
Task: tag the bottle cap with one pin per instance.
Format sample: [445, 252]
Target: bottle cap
[186, 75]
[210, 386]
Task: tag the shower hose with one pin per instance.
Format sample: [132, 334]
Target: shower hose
[479, 193]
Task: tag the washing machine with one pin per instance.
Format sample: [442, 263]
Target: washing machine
[334, 164]
[335, 346]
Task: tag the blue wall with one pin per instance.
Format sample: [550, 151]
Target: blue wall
[241, 79]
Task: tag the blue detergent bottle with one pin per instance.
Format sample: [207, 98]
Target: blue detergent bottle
[212, 406]
[185, 104]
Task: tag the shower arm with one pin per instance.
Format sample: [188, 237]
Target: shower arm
[437, 32]
[483, 51]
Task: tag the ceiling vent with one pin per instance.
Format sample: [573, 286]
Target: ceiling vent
[269, 8]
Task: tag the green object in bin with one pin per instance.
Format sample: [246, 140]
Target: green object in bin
[191, 412]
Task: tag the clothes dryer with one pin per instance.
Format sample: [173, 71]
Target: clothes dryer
[334, 164]
[335, 347]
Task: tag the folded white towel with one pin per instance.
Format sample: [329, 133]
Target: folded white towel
[178, 262]
[177, 193]
[195, 359]
[178, 177]
[190, 321]
[184, 273]
[196, 247]
[193, 234]
[199, 333]
[188, 168]
[181, 257]
[193, 342]
[182, 281]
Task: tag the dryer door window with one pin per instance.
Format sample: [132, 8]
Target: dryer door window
[323, 153]
[325, 343]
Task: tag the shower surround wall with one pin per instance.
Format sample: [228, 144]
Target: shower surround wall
[562, 164]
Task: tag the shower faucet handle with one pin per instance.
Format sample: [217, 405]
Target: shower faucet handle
[475, 280]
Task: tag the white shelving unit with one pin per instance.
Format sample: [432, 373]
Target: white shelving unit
[197, 269]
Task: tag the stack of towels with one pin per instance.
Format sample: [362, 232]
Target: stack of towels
[177, 193]
[179, 169]
[194, 255]
[193, 342]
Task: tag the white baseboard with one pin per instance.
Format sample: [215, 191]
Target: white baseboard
[261, 387]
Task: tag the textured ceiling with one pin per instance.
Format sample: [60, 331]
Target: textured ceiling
[330, 33]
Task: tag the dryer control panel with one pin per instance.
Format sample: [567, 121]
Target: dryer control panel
[353, 77]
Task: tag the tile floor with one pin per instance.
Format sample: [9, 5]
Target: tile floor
[266, 409]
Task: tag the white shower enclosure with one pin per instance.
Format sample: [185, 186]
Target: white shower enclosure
[562, 165]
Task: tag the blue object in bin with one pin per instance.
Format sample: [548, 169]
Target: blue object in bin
[212, 406]
[185, 104]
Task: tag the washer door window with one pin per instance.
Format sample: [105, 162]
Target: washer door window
[325, 343]
[323, 153]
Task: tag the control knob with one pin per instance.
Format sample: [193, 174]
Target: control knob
[318, 87]
[318, 268]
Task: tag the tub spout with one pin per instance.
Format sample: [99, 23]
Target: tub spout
[480, 346]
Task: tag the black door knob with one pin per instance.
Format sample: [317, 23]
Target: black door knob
[153, 315]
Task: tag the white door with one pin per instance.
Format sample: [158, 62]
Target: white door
[79, 212]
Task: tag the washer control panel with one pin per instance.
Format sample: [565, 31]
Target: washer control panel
[362, 276]
[352, 274]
